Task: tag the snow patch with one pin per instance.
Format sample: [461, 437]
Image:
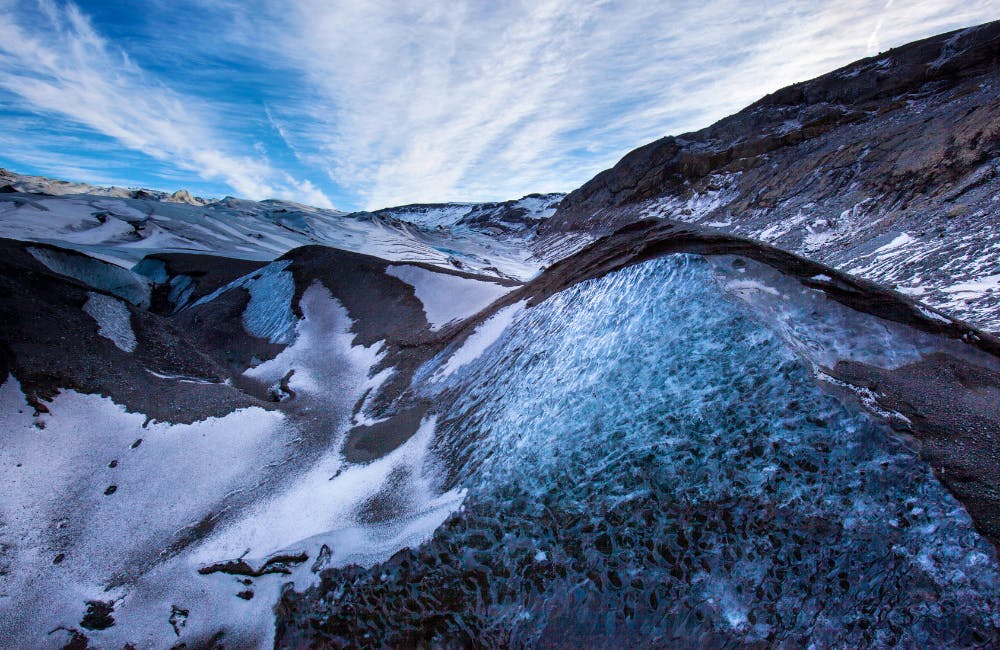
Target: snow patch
[901, 240]
[321, 336]
[933, 315]
[113, 318]
[976, 287]
[485, 335]
[447, 298]
[742, 287]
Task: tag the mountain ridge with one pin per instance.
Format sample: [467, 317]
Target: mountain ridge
[886, 168]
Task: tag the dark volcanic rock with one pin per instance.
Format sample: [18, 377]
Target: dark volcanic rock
[275, 564]
[366, 443]
[953, 408]
[865, 90]
[99, 615]
[384, 309]
[50, 343]
[900, 148]
[182, 278]
[645, 240]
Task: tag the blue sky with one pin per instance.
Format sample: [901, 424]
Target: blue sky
[369, 104]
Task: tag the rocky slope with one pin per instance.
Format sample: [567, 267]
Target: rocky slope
[888, 168]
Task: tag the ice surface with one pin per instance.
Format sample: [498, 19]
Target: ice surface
[113, 319]
[820, 330]
[646, 464]
[99, 275]
[268, 314]
[447, 298]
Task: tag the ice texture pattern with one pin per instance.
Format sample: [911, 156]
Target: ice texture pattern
[647, 466]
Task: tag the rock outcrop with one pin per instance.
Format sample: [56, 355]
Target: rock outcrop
[886, 168]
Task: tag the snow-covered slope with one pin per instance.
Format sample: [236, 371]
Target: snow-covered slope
[123, 226]
[142, 450]
[501, 217]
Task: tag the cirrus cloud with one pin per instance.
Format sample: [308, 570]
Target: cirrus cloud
[384, 103]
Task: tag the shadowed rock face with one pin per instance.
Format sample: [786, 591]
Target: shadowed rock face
[906, 142]
[49, 343]
[953, 408]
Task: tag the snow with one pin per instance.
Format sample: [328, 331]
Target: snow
[486, 334]
[53, 501]
[447, 298]
[433, 216]
[780, 228]
[898, 242]
[699, 205]
[933, 315]
[866, 396]
[978, 287]
[318, 505]
[326, 364]
[113, 320]
[123, 230]
[744, 286]
[265, 481]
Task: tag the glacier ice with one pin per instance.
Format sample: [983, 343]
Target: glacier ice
[99, 275]
[646, 464]
[268, 314]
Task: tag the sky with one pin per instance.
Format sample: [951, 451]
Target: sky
[363, 105]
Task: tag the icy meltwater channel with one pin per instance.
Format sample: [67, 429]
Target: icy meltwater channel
[647, 466]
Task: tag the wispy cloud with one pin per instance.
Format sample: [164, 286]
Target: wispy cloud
[389, 103]
[55, 61]
[485, 100]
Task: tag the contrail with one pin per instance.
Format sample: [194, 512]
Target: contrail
[873, 44]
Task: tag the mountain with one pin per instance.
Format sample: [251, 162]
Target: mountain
[663, 411]
[122, 226]
[886, 168]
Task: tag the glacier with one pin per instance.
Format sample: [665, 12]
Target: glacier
[645, 465]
